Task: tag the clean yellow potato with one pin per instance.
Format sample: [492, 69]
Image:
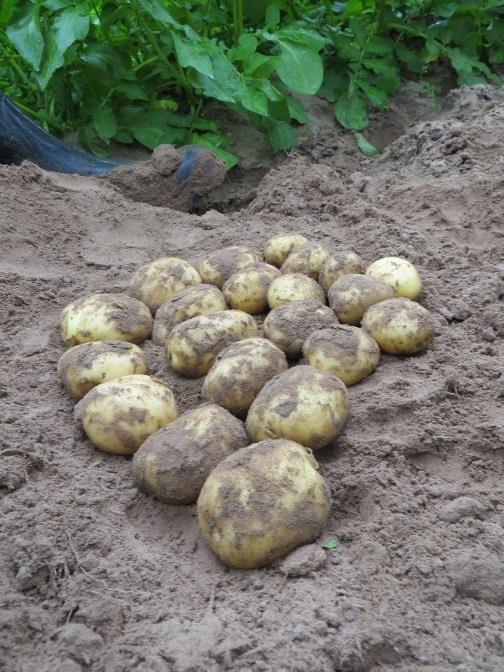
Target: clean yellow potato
[190, 302]
[105, 317]
[307, 259]
[247, 289]
[192, 346]
[262, 502]
[352, 295]
[220, 265]
[89, 364]
[120, 414]
[294, 287]
[173, 463]
[240, 371]
[399, 273]
[302, 404]
[347, 352]
[278, 248]
[157, 282]
[288, 325]
[338, 264]
[399, 326]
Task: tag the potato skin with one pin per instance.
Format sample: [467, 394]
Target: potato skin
[399, 273]
[338, 264]
[155, 283]
[288, 325]
[247, 289]
[352, 295]
[262, 502]
[192, 346]
[307, 259]
[240, 371]
[220, 265]
[294, 287]
[173, 463]
[302, 404]
[278, 248]
[117, 416]
[399, 326]
[104, 317]
[86, 365]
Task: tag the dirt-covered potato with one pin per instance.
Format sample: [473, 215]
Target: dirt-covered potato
[302, 404]
[155, 283]
[120, 414]
[220, 265]
[105, 317]
[339, 263]
[294, 287]
[247, 289]
[278, 248]
[399, 273]
[399, 326]
[307, 259]
[89, 364]
[240, 371]
[291, 323]
[192, 346]
[190, 302]
[173, 463]
[348, 352]
[262, 502]
[352, 295]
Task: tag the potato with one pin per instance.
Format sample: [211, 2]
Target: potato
[157, 282]
[302, 404]
[240, 371]
[120, 414]
[278, 248]
[399, 326]
[339, 264]
[89, 364]
[294, 287]
[347, 352]
[247, 289]
[218, 266]
[352, 295]
[173, 463]
[262, 502]
[291, 323]
[307, 259]
[105, 317]
[190, 302]
[192, 346]
[399, 273]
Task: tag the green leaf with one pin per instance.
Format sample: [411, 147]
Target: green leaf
[105, 122]
[330, 544]
[272, 17]
[255, 101]
[230, 160]
[365, 146]
[297, 111]
[281, 135]
[192, 55]
[6, 11]
[299, 67]
[414, 62]
[158, 12]
[226, 85]
[350, 110]
[131, 90]
[376, 97]
[27, 37]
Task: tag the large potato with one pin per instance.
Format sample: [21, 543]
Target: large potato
[347, 352]
[278, 248]
[120, 414]
[247, 289]
[240, 371]
[399, 273]
[262, 502]
[307, 259]
[291, 323]
[352, 295]
[399, 326]
[218, 266]
[105, 317]
[190, 302]
[157, 282]
[173, 463]
[89, 364]
[294, 287]
[339, 264]
[192, 346]
[302, 404]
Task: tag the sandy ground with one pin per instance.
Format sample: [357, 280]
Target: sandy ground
[96, 576]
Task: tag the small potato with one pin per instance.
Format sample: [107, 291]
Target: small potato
[105, 317]
[347, 352]
[302, 404]
[352, 295]
[190, 302]
[173, 463]
[192, 346]
[307, 259]
[120, 414]
[399, 273]
[294, 287]
[262, 502]
[399, 326]
[157, 282]
[218, 266]
[240, 371]
[291, 323]
[89, 364]
[247, 289]
[337, 265]
[278, 248]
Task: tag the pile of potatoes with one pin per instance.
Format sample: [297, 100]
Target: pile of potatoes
[245, 455]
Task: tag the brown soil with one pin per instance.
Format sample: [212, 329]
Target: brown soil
[97, 576]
